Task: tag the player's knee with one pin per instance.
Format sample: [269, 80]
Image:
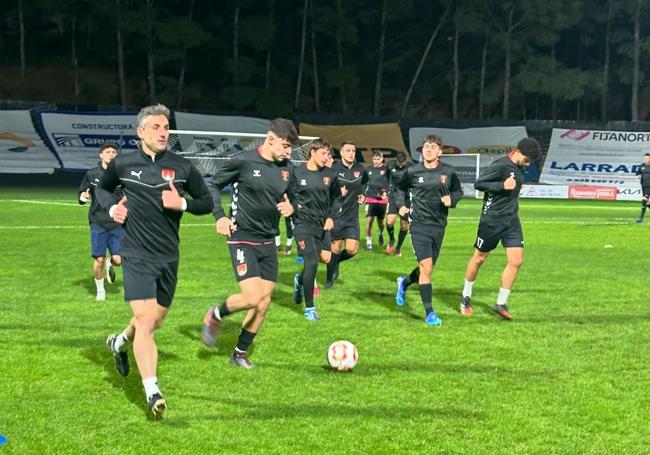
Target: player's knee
[516, 262]
[479, 259]
[146, 323]
[100, 260]
[353, 251]
[116, 260]
[326, 257]
[263, 306]
[253, 299]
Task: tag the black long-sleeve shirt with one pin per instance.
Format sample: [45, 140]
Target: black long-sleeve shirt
[354, 179]
[425, 188]
[97, 215]
[395, 173]
[497, 201]
[151, 231]
[644, 171]
[258, 186]
[377, 182]
[315, 196]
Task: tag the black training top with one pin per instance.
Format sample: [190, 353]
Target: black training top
[97, 215]
[644, 171]
[315, 196]
[377, 182]
[498, 202]
[354, 179]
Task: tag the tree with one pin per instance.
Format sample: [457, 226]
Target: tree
[301, 60]
[21, 27]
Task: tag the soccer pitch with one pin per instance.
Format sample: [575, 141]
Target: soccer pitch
[567, 375]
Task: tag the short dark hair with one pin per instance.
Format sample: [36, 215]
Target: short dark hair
[108, 145]
[284, 129]
[347, 143]
[320, 143]
[401, 157]
[433, 138]
[647, 154]
[530, 148]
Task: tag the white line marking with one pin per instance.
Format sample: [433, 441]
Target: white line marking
[27, 201]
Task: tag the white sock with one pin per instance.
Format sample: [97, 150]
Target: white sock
[502, 299]
[217, 313]
[99, 284]
[277, 240]
[290, 242]
[467, 289]
[121, 341]
[368, 241]
[150, 386]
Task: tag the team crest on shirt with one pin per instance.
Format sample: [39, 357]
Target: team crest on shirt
[326, 180]
[443, 179]
[301, 244]
[357, 174]
[242, 269]
[420, 179]
[168, 175]
[284, 175]
[381, 172]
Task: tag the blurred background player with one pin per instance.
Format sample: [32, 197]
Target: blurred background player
[288, 229]
[376, 198]
[315, 193]
[262, 177]
[643, 175]
[434, 188]
[353, 180]
[501, 182]
[105, 234]
[396, 170]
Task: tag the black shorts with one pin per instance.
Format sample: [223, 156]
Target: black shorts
[491, 231]
[645, 190]
[345, 230]
[427, 241]
[376, 209]
[311, 243]
[393, 209]
[144, 279]
[251, 260]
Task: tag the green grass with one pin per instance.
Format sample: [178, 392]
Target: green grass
[567, 375]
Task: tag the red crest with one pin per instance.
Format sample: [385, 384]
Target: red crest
[326, 180]
[284, 175]
[443, 179]
[242, 269]
[301, 244]
[168, 174]
[357, 174]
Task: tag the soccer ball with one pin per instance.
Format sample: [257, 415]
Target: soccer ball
[342, 355]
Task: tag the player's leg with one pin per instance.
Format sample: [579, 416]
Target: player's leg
[370, 218]
[426, 291]
[304, 281]
[390, 228]
[288, 224]
[351, 236]
[380, 223]
[98, 246]
[515, 260]
[334, 259]
[644, 204]
[404, 228]
[487, 238]
[114, 244]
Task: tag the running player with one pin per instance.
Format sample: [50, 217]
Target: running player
[643, 175]
[501, 182]
[105, 234]
[260, 178]
[154, 181]
[353, 178]
[376, 198]
[315, 193]
[434, 188]
[395, 171]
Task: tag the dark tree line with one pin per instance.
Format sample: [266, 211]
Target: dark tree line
[558, 59]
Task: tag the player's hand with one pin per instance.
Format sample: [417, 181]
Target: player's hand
[384, 195]
[171, 199]
[510, 183]
[638, 177]
[329, 224]
[85, 195]
[285, 208]
[403, 211]
[344, 191]
[120, 212]
[361, 199]
[446, 200]
[225, 226]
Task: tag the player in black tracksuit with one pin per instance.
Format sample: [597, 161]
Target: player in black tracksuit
[433, 188]
[396, 170]
[260, 180]
[154, 182]
[376, 198]
[353, 178]
[105, 234]
[643, 174]
[501, 183]
[315, 194]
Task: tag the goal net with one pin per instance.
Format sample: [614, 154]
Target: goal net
[207, 148]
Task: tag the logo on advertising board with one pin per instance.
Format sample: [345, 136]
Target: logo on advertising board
[93, 140]
[490, 149]
[576, 135]
[592, 192]
[67, 140]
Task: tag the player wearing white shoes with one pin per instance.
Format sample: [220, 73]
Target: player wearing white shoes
[155, 182]
[105, 234]
[499, 222]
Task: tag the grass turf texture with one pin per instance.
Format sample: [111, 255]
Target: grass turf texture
[567, 375]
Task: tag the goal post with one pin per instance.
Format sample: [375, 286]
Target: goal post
[207, 148]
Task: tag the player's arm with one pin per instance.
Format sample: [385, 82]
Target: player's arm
[455, 189]
[401, 190]
[104, 192]
[226, 174]
[490, 180]
[201, 202]
[84, 190]
[336, 197]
